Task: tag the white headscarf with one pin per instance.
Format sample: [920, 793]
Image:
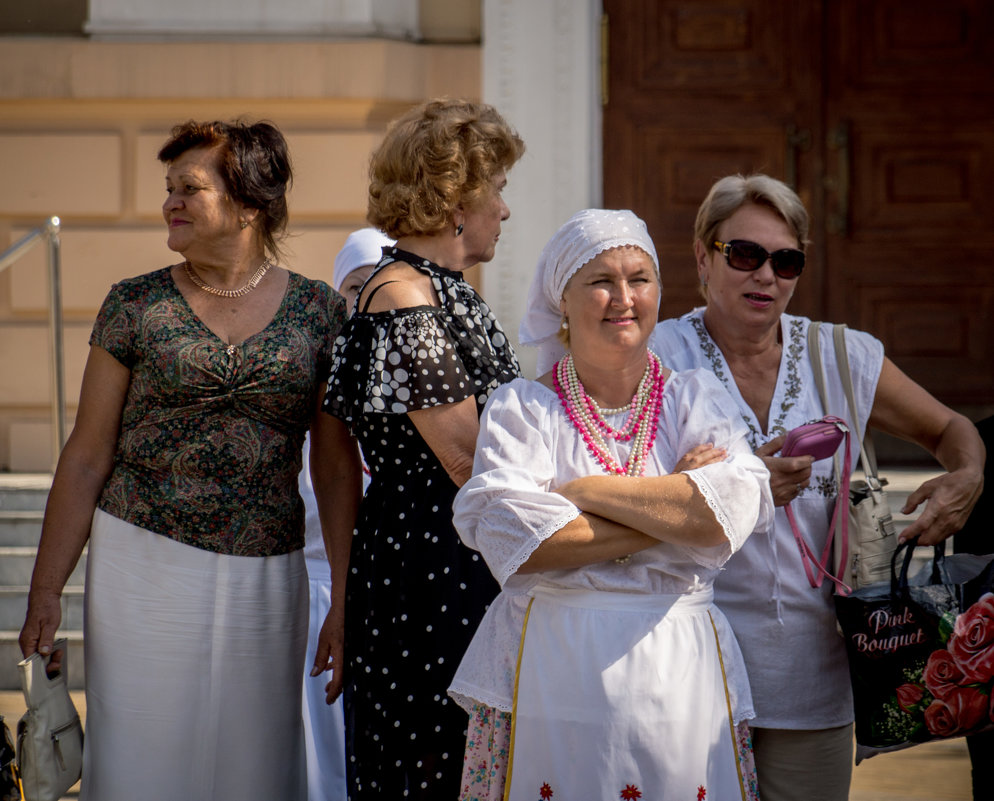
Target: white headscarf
[361, 248]
[582, 237]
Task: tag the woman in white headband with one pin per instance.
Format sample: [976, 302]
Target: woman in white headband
[605, 498]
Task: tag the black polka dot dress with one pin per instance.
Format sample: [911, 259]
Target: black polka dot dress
[415, 593]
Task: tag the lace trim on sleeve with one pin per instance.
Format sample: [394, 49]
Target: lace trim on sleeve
[711, 497]
[511, 565]
[467, 696]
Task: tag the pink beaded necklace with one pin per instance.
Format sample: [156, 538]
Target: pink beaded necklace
[588, 418]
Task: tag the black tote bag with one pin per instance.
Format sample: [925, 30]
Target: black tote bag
[921, 652]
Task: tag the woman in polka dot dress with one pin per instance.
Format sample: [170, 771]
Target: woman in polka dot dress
[412, 371]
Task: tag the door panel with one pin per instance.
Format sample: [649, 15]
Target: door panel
[910, 83]
[698, 90]
[879, 112]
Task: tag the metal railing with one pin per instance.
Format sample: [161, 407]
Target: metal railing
[49, 232]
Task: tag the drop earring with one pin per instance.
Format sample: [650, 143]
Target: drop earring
[565, 324]
[459, 230]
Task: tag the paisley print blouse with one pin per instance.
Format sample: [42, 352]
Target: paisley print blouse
[211, 433]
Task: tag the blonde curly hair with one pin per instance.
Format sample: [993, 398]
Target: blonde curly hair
[438, 155]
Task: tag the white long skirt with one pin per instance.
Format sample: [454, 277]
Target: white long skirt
[627, 696]
[193, 664]
[324, 726]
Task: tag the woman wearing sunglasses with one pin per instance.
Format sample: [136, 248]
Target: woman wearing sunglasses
[749, 242]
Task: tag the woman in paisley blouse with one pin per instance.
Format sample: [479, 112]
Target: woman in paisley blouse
[413, 369]
[749, 243]
[181, 475]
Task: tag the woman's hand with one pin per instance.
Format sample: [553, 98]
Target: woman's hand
[904, 409]
[951, 497]
[331, 655]
[42, 621]
[702, 455]
[788, 474]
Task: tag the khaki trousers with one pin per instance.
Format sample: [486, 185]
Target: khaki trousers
[813, 765]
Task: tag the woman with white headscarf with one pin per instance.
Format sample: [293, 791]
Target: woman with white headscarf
[605, 498]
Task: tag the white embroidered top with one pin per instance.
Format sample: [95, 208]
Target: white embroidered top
[527, 447]
[787, 630]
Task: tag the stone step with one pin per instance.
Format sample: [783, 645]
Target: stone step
[17, 562]
[24, 491]
[10, 655]
[14, 605]
[20, 526]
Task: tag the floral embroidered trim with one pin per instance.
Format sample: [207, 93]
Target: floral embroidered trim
[794, 351]
[826, 486]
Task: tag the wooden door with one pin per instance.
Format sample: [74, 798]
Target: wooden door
[879, 112]
[909, 225]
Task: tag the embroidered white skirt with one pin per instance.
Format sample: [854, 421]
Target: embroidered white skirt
[627, 696]
[193, 665]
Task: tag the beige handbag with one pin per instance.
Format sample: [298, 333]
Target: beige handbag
[872, 534]
[49, 735]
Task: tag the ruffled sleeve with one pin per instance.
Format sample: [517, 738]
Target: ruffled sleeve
[394, 363]
[737, 490]
[507, 509]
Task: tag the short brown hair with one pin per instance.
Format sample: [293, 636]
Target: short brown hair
[436, 156]
[254, 162]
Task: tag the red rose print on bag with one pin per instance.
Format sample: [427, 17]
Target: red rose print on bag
[909, 695]
[921, 652]
[942, 674]
[962, 709]
[972, 641]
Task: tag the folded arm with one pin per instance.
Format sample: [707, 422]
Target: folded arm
[668, 508]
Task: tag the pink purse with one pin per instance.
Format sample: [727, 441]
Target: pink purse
[821, 439]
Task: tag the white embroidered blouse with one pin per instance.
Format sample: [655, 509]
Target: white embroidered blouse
[527, 447]
[787, 630]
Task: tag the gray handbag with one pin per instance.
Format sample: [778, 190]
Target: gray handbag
[872, 534]
[50, 734]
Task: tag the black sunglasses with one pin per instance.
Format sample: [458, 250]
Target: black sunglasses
[741, 254]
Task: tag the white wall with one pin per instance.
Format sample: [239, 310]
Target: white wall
[541, 69]
[131, 18]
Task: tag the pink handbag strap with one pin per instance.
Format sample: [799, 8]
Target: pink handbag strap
[808, 558]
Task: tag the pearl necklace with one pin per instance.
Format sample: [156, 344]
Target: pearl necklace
[588, 418]
[253, 282]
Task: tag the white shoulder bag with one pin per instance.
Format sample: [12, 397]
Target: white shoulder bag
[872, 535]
[49, 735]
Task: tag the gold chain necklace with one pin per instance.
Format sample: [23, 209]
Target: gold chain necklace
[253, 282]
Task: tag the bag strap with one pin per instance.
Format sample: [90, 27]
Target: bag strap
[814, 354]
[839, 525]
[867, 454]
